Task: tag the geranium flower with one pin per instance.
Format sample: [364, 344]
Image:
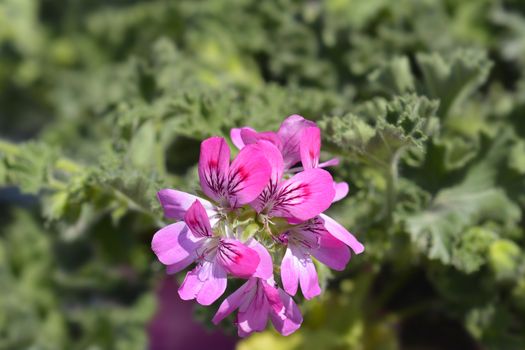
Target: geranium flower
[272, 195]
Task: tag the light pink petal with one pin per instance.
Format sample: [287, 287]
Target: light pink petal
[332, 252]
[176, 203]
[214, 162]
[341, 190]
[255, 318]
[181, 265]
[308, 279]
[198, 221]
[339, 232]
[232, 302]
[330, 162]
[214, 286]
[206, 283]
[174, 243]
[310, 147]
[290, 136]
[250, 136]
[235, 135]
[290, 272]
[289, 319]
[248, 175]
[305, 195]
[236, 258]
[265, 268]
[191, 285]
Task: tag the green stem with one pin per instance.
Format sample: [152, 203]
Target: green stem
[391, 184]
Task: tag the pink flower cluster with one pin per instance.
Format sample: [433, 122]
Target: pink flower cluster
[264, 207]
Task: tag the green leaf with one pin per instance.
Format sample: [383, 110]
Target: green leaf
[452, 77]
[453, 209]
[394, 77]
[379, 128]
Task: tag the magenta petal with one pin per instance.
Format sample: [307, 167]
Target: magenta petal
[214, 162]
[289, 319]
[198, 221]
[173, 243]
[305, 195]
[274, 157]
[308, 279]
[310, 147]
[290, 272]
[265, 268]
[341, 190]
[332, 252]
[176, 203]
[248, 175]
[290, 135]
[339, 232]
[232, 302]
[272, 295]
[236, 258]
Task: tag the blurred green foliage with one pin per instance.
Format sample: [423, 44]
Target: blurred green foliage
[105, 102]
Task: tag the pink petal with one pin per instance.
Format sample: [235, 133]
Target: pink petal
[181, 265]
[235, 135]
[206, 283]
[250, 136]
[310, 147]
[232, 302]
[236, 258]
[214, 162]
[290, 136]
[191, 285]
[290, 272]
[308, 279]
[289, 319]
[248, 175]
[198, 221]
[176, 203]
[272, 295]
[274, 157]
[305, 195]
[341, 190]
[265, 268]
[254, 319]
[213, 287]
[339, 232]
[330, 162]
[173, 243]
[332, 252]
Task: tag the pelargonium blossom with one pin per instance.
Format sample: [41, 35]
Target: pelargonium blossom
[270, 199]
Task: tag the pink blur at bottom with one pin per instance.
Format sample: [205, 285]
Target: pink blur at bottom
[173, 326]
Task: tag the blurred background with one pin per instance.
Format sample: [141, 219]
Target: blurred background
[103, 102]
